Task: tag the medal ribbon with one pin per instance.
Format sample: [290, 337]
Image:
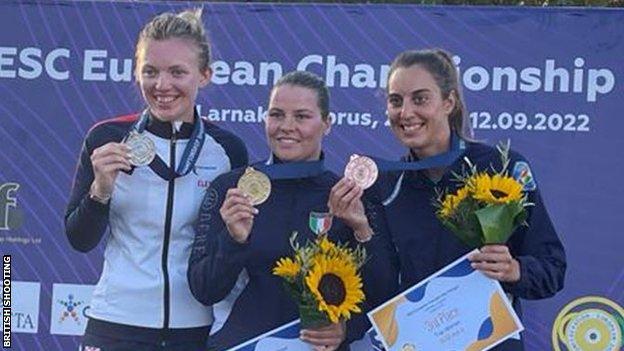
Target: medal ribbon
[291, 170]
[319, 222]
[189, 156]
[441, 160]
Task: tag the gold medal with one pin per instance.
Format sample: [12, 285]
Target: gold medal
[255, 184]
[362, 170]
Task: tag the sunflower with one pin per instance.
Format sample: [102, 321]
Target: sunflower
[326, 245]
[330, 249]
[287, 268]
[336, 285]
[451, 201]
[496, 189]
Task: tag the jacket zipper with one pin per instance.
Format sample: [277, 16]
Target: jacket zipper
[168, 219]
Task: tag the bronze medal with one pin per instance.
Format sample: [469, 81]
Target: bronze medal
[362, 170]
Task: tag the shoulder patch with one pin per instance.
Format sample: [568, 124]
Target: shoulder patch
[522, 173]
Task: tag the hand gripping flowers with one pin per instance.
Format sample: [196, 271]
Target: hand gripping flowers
[487, 208]
[323, 278]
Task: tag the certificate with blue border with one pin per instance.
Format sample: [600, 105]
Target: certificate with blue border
[457, 308]
[284, 338]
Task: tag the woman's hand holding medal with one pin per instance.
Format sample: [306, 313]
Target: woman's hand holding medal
[238, 209]
[107, 161]
[238, 214]
[345, 198]
[345, 202]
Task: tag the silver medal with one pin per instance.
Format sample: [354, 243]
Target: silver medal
[142, 149]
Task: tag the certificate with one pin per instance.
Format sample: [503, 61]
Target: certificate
[284, 338]
[457, 308]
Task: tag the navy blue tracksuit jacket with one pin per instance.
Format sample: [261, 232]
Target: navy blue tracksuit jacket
[424, 246]
[255, 300]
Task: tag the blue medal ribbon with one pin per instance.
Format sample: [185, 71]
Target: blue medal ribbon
[441, 160]
[291, 170]
[189, 156]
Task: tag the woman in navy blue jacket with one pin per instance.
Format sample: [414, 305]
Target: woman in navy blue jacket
[237, 244]
[427, 116]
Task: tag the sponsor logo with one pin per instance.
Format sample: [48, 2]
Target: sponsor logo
[71, 309]
[197, 169]
[69, 304]
[11, 217]
[203, 171]
[202, 183]
[589, 323]
[25, 307]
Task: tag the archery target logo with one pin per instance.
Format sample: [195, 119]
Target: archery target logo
[590, 323]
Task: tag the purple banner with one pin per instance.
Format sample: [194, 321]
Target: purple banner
[549, 79]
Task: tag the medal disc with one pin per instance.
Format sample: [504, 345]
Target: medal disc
[362, 170]
[255, 184]
[142, 149]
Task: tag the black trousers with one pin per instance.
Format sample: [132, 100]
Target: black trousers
[107, 336]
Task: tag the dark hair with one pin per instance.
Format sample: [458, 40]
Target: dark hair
[185, 25]
[440, 65]
[311, 81]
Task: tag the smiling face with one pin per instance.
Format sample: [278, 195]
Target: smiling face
[170, 77]
[418, 112]
[294, 126]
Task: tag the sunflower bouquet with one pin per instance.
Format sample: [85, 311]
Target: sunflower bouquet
[487, 207]
[323, 279]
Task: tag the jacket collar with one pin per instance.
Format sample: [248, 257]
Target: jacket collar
[165, 129]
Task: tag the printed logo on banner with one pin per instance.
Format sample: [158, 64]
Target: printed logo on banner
[589, 323]
[11, 217]
[69, 304]
[25, 307]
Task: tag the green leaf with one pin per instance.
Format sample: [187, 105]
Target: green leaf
[292, 289]
[310, 315]
[498, 222]
[469, 236]
[522, 216]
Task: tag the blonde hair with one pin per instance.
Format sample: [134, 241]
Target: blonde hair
[185, 25]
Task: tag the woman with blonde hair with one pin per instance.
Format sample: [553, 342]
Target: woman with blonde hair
[142, 176]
